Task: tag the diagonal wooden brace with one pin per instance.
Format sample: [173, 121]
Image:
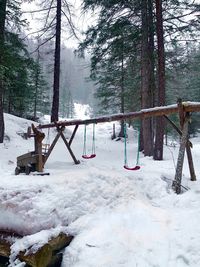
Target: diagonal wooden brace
[69, 149]
[73, 135]
[188, 150]
[52, 146]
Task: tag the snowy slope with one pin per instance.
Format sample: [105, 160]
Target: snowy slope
[118, 217]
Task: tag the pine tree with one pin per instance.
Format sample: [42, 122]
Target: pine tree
[113, 44]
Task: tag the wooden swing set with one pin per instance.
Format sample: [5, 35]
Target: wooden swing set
[35, 161]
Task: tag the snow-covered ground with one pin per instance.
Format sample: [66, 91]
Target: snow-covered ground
[118, 217]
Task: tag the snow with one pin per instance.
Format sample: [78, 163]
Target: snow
[82, 111]
[118, 217]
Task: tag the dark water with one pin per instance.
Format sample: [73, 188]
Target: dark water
[3, 262]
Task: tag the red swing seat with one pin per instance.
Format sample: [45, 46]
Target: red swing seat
[89, 156]
[137, 167]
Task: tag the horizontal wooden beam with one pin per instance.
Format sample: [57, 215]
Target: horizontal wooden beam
[144, 113]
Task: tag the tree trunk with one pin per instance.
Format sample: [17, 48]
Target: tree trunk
[121, 133]
[2, 31]
[160, 125]
[151, 48]
[146, 93]
[36, 83]
[152, 84]
[56, 84]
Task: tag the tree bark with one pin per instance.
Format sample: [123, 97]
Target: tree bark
[121, 133]
[36, 84]
[56, 84]
[160, 124]
[146, 93]
[2, 32]
[151, 48]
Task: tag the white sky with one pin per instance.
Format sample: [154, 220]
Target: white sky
[81, 21]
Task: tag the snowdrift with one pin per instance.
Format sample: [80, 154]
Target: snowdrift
[118, 218]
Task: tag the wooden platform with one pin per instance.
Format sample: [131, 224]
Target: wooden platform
[47, 256]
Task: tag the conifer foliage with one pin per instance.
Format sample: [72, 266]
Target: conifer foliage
[129, 46]
[17, 68]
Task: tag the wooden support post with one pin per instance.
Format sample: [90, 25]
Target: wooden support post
[181, 112]
[113, 133]
[69, 149]
[73, 135]
[188, 147]
[179, 168]
[38, 137]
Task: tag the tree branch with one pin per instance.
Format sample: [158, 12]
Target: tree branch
[37, 11]
[43, 43]
[71, 25]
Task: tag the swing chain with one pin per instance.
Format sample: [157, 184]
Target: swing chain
[137, 167]
[93, 144]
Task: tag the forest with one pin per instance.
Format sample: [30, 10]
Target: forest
[99, 133]
[133, 55]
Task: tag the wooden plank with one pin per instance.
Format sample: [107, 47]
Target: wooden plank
[144, 113]
[27, 155]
